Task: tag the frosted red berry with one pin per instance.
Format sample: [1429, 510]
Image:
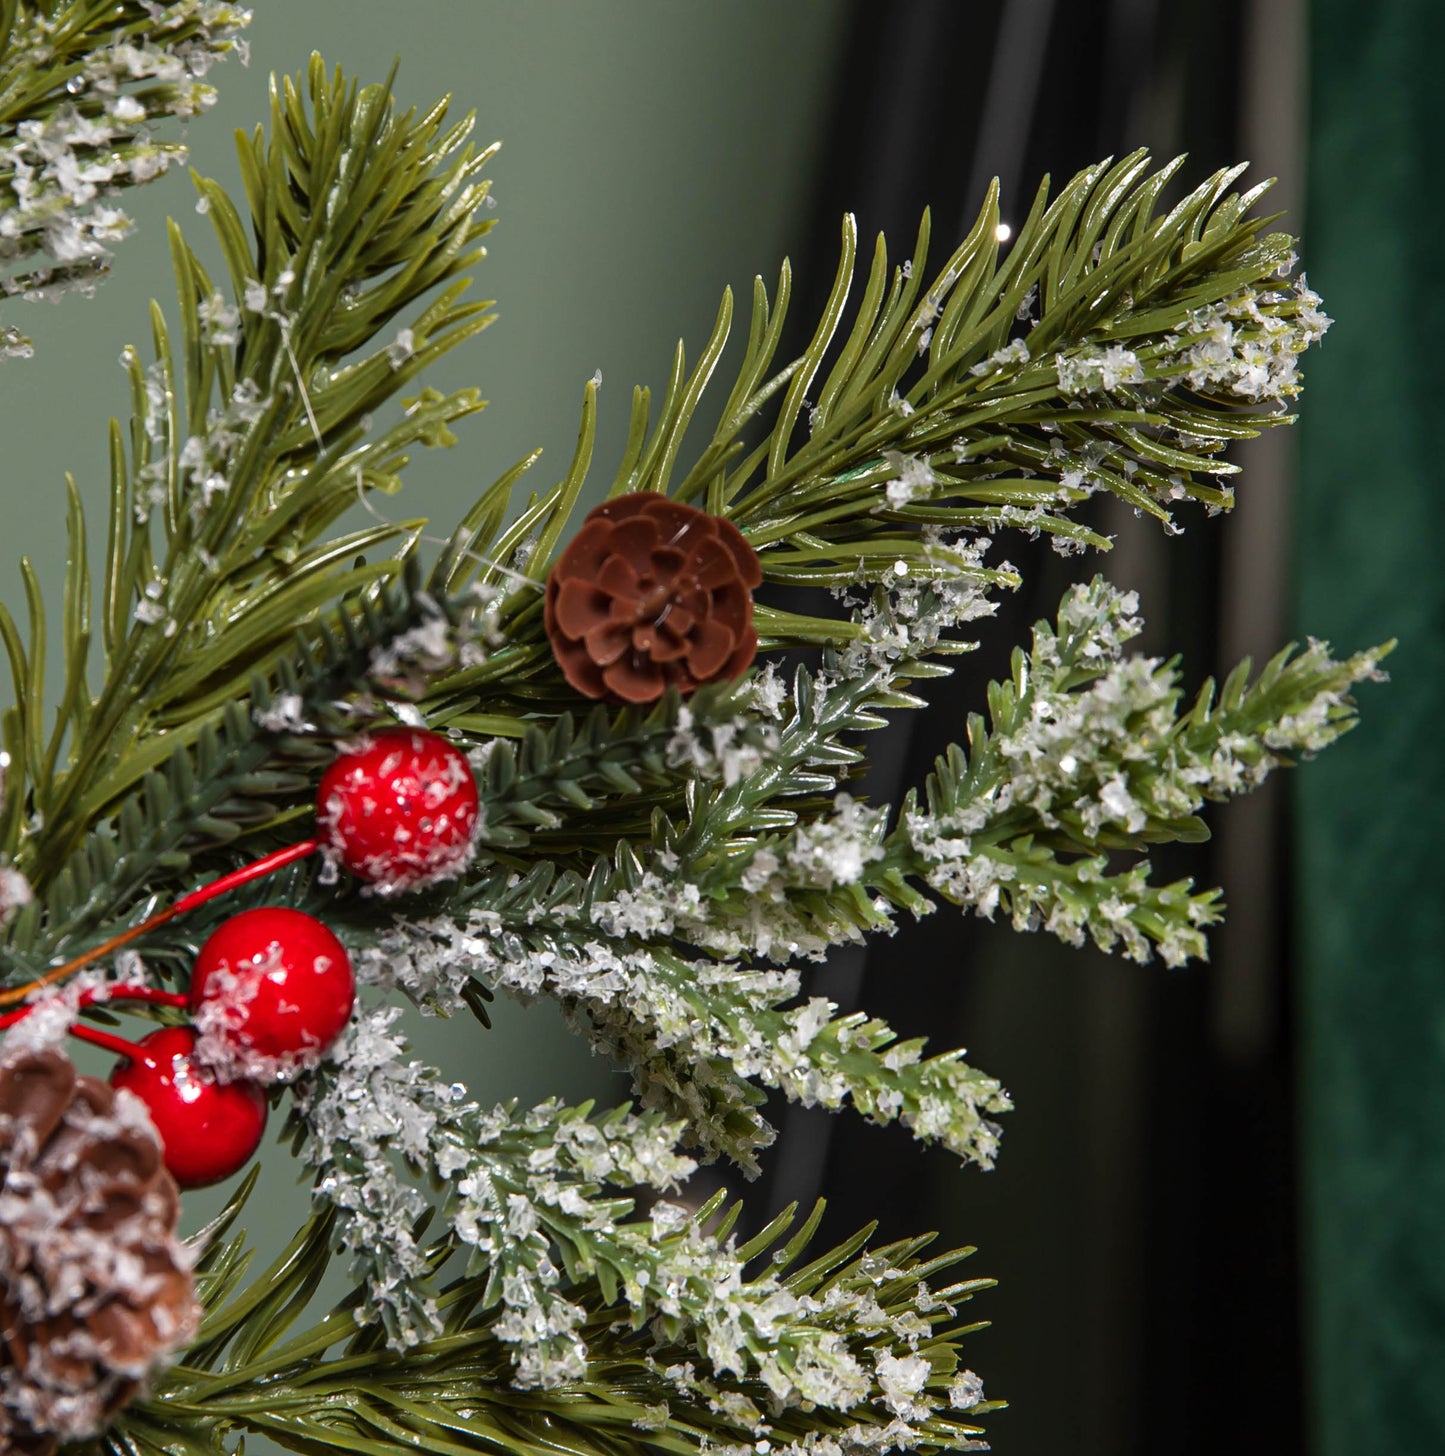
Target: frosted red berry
[399, 810]
[271, 990]
[209, 1129]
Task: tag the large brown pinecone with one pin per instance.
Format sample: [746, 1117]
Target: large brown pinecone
[95, 1287]
[652, 594]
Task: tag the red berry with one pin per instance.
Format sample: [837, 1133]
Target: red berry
[271, 990]
[399, 809]
[209, 1129]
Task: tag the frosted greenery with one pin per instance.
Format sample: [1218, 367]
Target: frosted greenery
[531, 1277]
[84, 88]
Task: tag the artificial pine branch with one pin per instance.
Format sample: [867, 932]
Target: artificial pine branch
[240, 474]
[285, 1383]
[538, 791]
[1089, 753]
[660, 871]
[83, 84]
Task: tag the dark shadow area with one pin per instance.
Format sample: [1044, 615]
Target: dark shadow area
[1142, 1219]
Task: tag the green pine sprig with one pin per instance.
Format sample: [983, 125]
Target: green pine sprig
[649, 869]
[83, 86]
[263, 1365]
[245, 449]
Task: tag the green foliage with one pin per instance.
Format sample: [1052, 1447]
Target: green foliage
[536, 794]
[226, 775]
[326, 1386]
[640, 866]
[926, 394]
[243, 471]
[83, 84]
[1087, 753]
[245, 450]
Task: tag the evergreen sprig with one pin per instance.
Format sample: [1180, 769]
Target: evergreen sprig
[659, 872]
[243, 456]
[325, 1386]
[1113, 348]
[83, 84]
[539, 792]
[1087, 752]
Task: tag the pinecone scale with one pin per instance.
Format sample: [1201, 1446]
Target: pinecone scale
[95, 1286]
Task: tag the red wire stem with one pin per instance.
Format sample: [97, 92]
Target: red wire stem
[257, 869]
[117, 1044]
[103, 995]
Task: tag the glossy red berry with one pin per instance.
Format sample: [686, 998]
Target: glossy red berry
[399, 809]
[209, 1129]
[271, 990]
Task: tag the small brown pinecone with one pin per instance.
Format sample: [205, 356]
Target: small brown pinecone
[652, 594]
[95, 1287]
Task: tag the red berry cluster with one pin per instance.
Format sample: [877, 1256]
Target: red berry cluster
[272, 988]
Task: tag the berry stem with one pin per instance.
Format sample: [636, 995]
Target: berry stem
[112, 1043]
[103, 995]
[257, 869]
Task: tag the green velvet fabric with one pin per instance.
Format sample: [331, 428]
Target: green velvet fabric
[1370, 890]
